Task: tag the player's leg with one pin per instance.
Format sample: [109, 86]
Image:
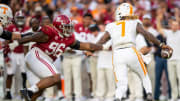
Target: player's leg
[33, 79]
[120, 73]
[58, 66]
[135, 86]
[11, 68]
[140, 68]
[22, 69]
[42, 67]
[119, 62]
[8, 87]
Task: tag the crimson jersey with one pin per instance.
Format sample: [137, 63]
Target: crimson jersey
[81, 32]
[14, 28]
[56, 45]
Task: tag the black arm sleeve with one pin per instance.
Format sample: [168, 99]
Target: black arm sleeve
[76, 45]
[26, 34]
[6, 35]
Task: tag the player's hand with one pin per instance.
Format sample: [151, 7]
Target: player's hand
[87, 53]
[13, 45]
[168, 49]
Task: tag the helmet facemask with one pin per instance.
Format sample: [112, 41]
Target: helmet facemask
[20, 20]
[67, 29]
[5, 20]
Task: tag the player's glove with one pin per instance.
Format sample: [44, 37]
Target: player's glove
[13, 44]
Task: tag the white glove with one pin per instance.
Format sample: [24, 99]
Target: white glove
[146, 58]
[13, 45]
[107, 45]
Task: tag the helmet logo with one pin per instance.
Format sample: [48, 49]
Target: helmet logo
[4, 9]
[58, 19]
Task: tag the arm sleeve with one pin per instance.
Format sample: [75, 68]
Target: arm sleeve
[6, 35]
[76, 45]
[26, 34]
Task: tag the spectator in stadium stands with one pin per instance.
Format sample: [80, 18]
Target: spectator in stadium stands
[76, 18]
[160, 67]
[105, 89]
[151, 49]
[73, 59]
[38, 13]
[45, 21]
[173, 39]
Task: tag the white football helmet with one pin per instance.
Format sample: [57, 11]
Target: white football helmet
[124, 9]
[5, 15]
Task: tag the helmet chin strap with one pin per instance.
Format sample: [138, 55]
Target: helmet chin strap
[67, 35]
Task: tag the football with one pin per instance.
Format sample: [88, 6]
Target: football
[166, 53]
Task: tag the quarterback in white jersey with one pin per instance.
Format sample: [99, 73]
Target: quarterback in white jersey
[123, 33]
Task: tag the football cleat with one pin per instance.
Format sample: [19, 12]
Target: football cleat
[27, 94]
[149, 97]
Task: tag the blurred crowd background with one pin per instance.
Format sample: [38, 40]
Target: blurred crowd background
[90, 17]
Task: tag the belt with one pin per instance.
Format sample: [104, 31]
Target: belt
[123, 46]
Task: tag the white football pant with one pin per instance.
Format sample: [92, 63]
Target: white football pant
[129, 57]
[39, 66]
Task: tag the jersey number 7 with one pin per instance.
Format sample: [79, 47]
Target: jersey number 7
[122, 27]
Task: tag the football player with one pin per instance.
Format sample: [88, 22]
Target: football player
[50, 44]
[123, 32]
[17, 55]
[5, 19]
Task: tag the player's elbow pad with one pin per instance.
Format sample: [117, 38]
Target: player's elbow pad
[6, 35]
[26, 34]
[76, 45]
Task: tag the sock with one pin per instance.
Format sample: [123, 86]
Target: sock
[24, 78]
[34, 89]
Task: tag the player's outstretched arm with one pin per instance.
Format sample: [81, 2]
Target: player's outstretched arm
[104, 39]
[140, 29]
[150, 37]
[86, 46]
[10, 35]
[37, 37]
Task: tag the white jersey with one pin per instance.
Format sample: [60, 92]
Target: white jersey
[123, 33]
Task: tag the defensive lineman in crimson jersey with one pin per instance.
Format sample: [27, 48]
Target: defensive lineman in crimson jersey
[50, 43]
[56, 44]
